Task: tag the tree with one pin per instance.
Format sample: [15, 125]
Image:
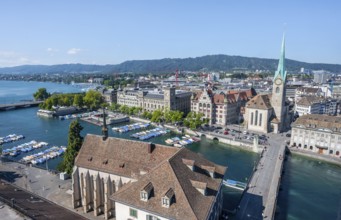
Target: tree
[93, 99]
[75, 141]
[115, 107]
[193, 120]
[78, 100]
[41, 94]
[157, 116]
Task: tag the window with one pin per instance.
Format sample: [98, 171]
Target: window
[256, 118]
[260, 119]
[251, 118]
[165, 202]
[150, 217]
[133, 212]
[277, 89]
[144, 196]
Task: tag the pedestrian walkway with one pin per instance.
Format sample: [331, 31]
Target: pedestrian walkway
[259, 200]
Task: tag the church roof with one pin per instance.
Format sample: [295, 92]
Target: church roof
[174, 174]
[259, 102]
[281, 71]
[115, 157]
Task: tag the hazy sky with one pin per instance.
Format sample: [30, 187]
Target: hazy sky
[110, 32]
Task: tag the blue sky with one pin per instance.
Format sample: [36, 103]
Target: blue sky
[110, 32]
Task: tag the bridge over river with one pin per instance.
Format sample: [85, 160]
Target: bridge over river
[260, 196]
[6, 107]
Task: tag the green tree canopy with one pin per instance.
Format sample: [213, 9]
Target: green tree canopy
[75, 141]
[41, 94]
[93, 99]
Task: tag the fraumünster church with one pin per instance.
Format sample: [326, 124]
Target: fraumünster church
[270, 112]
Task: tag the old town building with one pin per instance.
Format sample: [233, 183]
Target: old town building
[151, 100]
[317, 133]
[125, 179]
[270, 112]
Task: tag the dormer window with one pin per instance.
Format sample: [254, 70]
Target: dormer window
[144, 196]
[145, 193]
[167, 199]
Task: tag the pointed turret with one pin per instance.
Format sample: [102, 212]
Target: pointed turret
[281, 63]
[104, 128]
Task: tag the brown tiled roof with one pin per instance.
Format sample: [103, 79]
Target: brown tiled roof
[120, 156]
[259, 102]
[309, 100]
[315, 121]
[218, 98]
[199, 185]
[173, 173]
[244, 95]
[307, 89]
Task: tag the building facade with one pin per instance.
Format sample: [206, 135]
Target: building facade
[151, 100]
[320, 134]
[220, 108]
[125, 179]
[270, 112]
[316, 105]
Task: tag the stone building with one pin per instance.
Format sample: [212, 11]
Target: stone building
[110, 96]
[151, 100]
[316, 105]
[317, 133]
[125, 179]
[270, 112]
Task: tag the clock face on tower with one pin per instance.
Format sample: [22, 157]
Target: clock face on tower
[278, 81]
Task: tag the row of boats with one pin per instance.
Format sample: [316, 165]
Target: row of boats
[81, 115]
[10, 138]
[44, 155]
[26, 147]
[177, 142]
[131, 127]
[145, 135]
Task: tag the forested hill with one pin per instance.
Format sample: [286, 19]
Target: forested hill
[210, 62]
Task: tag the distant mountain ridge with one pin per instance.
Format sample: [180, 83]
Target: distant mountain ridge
[209, 62]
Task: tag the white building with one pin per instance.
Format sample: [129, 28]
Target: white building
[317, 133]
[321, 76]
[125, 179]
[316, 105]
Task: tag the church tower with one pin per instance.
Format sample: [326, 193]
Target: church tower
[278, 91]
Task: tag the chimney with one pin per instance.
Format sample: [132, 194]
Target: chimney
[150, 147]
[104, 128]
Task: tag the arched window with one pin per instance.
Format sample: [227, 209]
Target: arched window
[277, 89]
[256, 117]
[337, 153]
[251, 118]
[204, 105]
[311, 147]
[260, 119]
[200, 105]
[208, 105]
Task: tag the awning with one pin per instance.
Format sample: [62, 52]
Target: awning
[321, 147]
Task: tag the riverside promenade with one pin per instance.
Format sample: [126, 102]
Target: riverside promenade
[4, 107]
[260, 197]
[44, 187]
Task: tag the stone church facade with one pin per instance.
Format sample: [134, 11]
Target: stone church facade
[270, 112]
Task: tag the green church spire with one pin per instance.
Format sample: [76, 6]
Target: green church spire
[281, 63]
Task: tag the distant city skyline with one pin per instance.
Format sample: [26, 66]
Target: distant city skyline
[111, 32]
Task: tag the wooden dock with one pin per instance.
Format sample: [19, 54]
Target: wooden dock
[6, 107]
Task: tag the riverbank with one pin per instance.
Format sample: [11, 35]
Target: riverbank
[325, 158]
[212, 136]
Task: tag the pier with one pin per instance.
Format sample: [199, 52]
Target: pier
[6, 107]
[260, 196]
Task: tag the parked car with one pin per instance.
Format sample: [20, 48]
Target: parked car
[226, 132]
[288, 135]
